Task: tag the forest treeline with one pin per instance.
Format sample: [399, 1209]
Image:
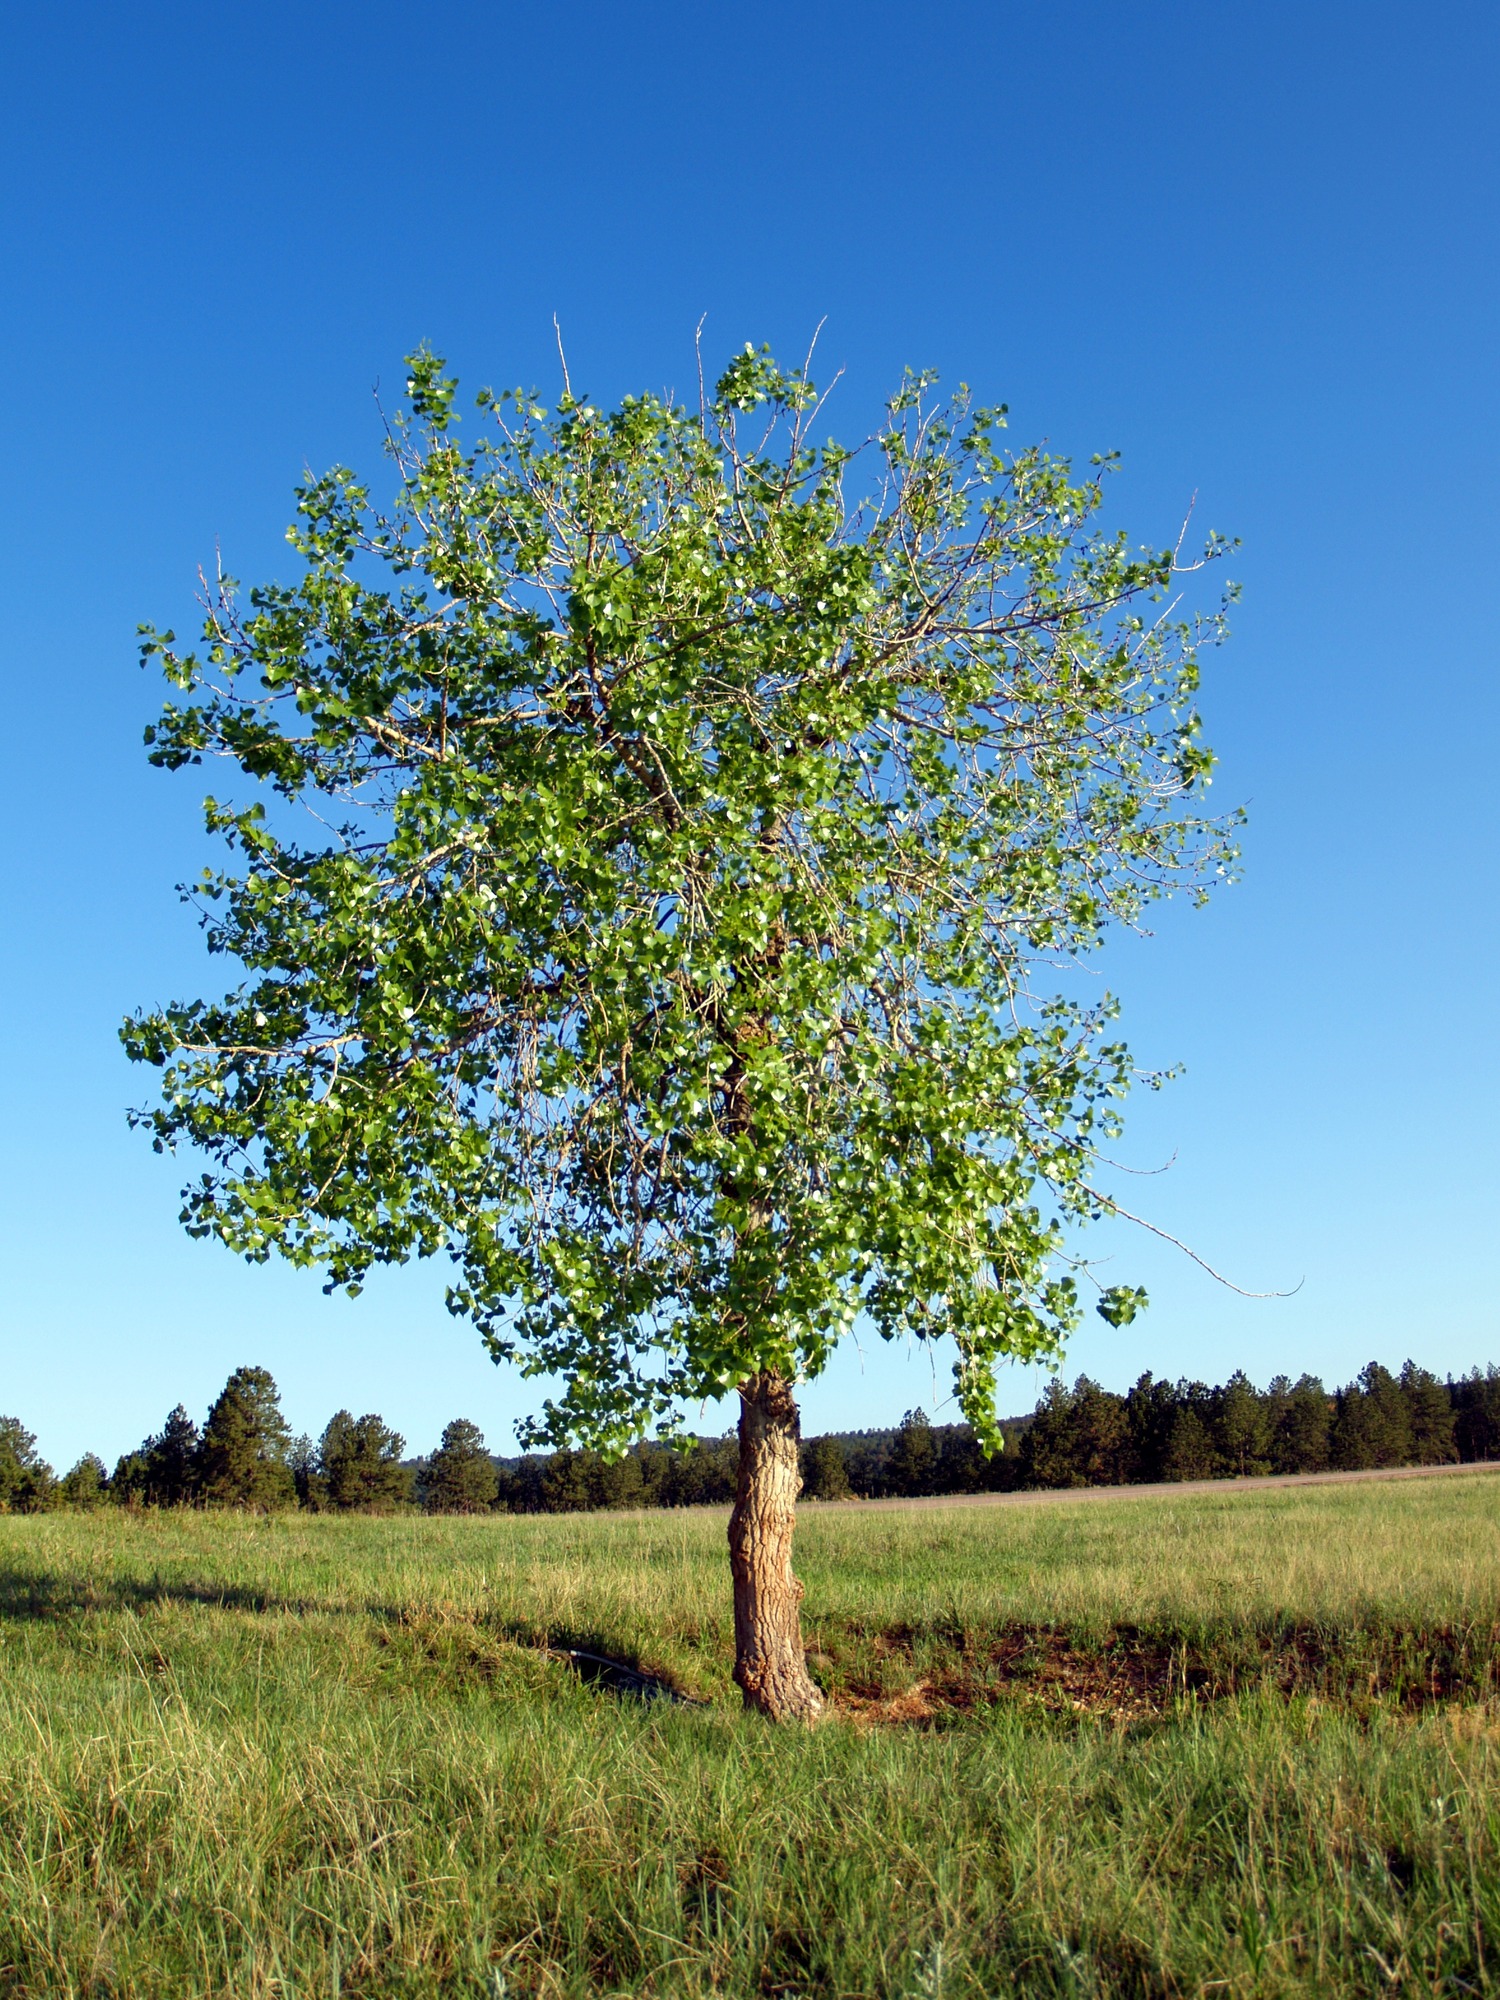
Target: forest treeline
[245, 1455]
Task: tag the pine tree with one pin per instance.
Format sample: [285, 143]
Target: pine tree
[616, 1483]
[242, 1460]
[1242, 1431]
[1048, 1451]
[1476, 1401]
[360, 1461]
[1190, 1452]
[1101, 1435]
[1429, 1407]
[1150, 1409]
[87, 1485]
[824, 1474]
[565, 1482]
[26, 1480]
[306, 1469]
[164, 1470]
[913, 1460]
[704, 1474]
[656, 1472]
[1373, 1425]
[172, 1460]
[963, 1468]
[1300, 1441]
[460, 1477]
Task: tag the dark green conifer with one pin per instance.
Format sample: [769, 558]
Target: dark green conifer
[1300, 1439]
[1190, 1452]
[87, 1485]
[1149, 1410]
[1373, 1424]
[460, 1477]
[360, 1461]
[1430, 1409]
[824, 1474]
[565, 1482]
[1101, 1434]
[1476, 1399]
[173, 1461]
[242, 1459]
[27, 1482]
[1242, 1431]
[162, 1471]
[1048, 1454]
[913, 1460]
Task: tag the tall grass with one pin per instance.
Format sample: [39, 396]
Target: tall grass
[320, 1756]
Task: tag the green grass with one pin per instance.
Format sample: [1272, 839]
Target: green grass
[1237, 1745]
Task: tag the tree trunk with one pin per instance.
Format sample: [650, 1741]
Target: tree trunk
[768, 1660]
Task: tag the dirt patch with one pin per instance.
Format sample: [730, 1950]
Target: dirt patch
[1125, 1680]
[934, 1676]
[1130, 1675]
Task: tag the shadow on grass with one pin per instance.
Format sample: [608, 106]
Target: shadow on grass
[35, 1594]
[593, 1657]
[618, 1677]
[29, 1596]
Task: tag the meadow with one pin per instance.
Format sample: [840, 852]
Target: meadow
[1234, 1744]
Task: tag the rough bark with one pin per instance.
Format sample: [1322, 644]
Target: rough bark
[769, 1663]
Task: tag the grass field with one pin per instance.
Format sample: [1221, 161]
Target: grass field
[1239, 1744]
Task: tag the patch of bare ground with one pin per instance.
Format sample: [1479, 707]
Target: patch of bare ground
[935, 1677]
[1129, 1676]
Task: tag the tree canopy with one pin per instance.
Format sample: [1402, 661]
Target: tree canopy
[359, 1459]
[241, 1458]
[460, 1477]
[26, 1479]
[697, 816]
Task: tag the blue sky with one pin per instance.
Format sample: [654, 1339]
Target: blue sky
[1253, 248]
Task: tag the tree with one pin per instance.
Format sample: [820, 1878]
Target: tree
[1372, 1425]
[656, 1463]
[1476, 1400]
[460, 1477]
[521, 1484]
[242, 1459]
[616, 1482]
[694, 813]
[1242, 1429]
[360, 1462]
[1049, 1450]
[913, 1460]
[26, 1479]
[86, 1485]
[1101, 1434]
[1190, 1450]
[824, 1474]
[704, 1474]
[305, 1464]
[164, 1470]
[565, 1482]
[1300, 1439]
[1430, 1409]
[963, 1467]
[1150, 1409]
